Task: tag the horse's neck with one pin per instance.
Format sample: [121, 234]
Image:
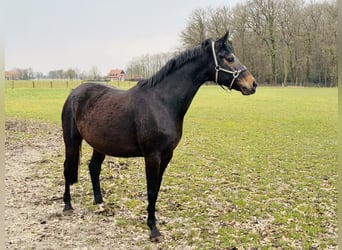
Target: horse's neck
[179, 88]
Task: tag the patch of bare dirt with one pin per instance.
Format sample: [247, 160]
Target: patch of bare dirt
[34, 188]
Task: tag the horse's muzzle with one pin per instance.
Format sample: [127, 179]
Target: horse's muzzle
[249, 89]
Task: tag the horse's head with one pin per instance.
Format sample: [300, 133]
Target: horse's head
[229, 71]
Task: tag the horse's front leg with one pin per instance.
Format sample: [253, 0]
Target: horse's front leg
[95, 170]
[152, 168]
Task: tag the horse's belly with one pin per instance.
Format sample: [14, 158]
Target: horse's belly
[115, 148]
[119, 143]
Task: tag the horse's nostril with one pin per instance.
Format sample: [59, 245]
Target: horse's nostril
[255, 84]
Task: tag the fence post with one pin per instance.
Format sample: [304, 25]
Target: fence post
[12, 84]
[50, 84]
[67, 84]
[33, 84]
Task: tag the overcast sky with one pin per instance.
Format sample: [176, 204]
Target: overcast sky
[50, 35]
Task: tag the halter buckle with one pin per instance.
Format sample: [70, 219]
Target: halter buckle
[236, 74]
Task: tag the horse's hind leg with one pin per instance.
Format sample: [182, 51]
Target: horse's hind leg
[72, 156]
[95, 170]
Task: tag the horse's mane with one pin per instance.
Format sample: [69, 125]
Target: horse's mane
[172, 65]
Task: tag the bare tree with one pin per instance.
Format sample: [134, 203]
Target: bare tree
[262, 15]
[289, 25]
[146, 65]
[219, 21]
[196, 29]
[70, 74]
[310, 21]
[94, 73]
[328, 40]
[247, 45]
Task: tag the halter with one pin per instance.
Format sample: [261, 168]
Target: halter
[218, 68]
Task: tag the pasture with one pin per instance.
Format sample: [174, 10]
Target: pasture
[257, 171]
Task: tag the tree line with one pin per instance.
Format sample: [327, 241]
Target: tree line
[74, 74]
[61, 74]
[144, 66]
[283, 42]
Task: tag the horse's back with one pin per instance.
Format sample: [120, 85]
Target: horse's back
[86, 94]
[89, 90]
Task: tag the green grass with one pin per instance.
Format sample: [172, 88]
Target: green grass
[42, 102]
[257, 171]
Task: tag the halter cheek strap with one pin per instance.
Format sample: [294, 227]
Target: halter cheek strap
[218, 68]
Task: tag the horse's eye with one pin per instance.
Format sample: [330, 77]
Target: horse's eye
[230, 59]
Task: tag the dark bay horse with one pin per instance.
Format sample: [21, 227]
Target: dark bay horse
[146, 120]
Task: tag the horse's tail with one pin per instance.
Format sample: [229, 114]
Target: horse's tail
[72, 141]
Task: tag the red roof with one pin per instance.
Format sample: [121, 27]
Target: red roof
[116, 72]
[13, 74]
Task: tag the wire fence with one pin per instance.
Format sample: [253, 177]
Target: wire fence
[16, 84]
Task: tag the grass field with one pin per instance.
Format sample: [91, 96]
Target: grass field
[257, 171]
[41, 102]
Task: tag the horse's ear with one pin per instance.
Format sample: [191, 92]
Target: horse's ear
[221, 41]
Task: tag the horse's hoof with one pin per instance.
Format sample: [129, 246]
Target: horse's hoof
[67, 212]
[156, 237]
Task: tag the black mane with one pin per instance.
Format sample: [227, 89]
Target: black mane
[172, 65]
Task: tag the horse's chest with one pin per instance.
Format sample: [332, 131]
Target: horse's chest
[165, 136]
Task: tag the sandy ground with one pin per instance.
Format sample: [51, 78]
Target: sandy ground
[34, 188]
[34, 182]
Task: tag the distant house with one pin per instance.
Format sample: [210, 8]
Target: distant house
[12, 75]
[116, 75]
